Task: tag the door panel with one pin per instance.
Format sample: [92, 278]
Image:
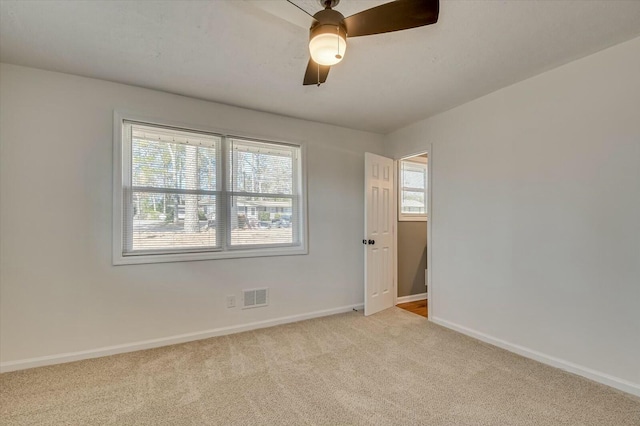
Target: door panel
[379, 193]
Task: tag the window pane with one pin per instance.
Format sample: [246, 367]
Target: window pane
[159, 162]
[163, 221]
[261, 167]
[413, 202]
[262, 221]
[412, 178]
[413, 187]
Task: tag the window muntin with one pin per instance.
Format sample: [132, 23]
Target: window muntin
[177, 198]
[413, 189]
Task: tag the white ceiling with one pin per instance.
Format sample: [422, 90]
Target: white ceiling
[235, 53]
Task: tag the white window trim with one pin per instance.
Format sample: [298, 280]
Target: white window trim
[117, 204]
[411, 217]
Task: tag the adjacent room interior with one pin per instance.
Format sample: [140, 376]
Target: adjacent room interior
[216, 212]
[412, 271]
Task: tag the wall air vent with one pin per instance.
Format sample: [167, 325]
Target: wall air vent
[254, 298]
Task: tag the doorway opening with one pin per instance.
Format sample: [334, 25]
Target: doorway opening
[412, 275]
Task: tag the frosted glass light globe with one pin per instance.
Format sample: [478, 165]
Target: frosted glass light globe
[327, 48]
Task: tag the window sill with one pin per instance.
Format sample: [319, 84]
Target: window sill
[119, 259]
[406, 218]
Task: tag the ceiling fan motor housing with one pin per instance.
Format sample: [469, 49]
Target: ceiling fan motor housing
[328, 21]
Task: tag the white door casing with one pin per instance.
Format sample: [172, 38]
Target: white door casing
[379, 233]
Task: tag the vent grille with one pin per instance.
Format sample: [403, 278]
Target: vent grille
[255, 298]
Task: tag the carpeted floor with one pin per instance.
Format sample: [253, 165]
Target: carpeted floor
[393, 368]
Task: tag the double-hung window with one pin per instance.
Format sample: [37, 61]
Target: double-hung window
[412, 203]
[182, 194]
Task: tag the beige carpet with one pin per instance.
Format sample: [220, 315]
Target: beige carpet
[393, 368]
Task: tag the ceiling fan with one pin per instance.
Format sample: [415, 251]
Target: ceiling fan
[330, 29]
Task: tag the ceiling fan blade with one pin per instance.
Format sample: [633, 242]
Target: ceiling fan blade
[284, 10]
[314, 76]
[395, 16]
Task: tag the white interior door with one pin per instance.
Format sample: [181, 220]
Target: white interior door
[378, 228]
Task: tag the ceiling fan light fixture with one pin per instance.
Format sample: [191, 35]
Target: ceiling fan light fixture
[327, 44]
[328, 32]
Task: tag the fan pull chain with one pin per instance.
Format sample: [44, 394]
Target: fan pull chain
[338, 55]
[318, 74]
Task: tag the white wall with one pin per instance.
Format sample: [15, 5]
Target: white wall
[536, 215]
[59, 291]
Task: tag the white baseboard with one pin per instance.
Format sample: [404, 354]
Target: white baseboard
[165, 341]
[411, 298]
[597, 376]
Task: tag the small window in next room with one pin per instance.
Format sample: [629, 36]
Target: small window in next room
[412, 194]
[185, 194]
